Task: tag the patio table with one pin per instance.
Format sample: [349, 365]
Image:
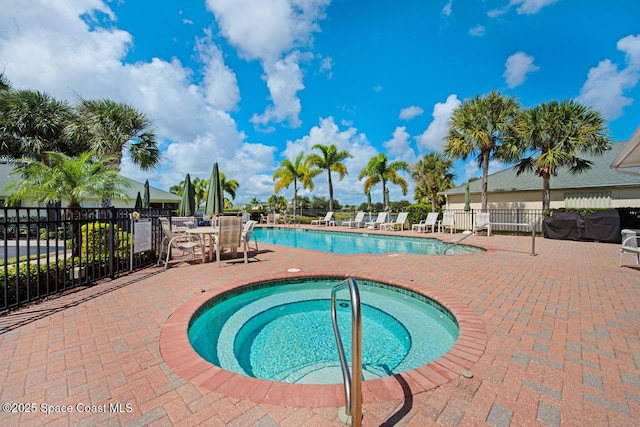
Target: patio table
[208, 230]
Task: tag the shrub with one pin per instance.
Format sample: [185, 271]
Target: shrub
[36, 276]
[418, 212]
[96, 241]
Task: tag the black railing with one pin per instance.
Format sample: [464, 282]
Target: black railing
[46, 251]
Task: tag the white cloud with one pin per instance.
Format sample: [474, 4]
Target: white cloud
[446, 10]
[326, 65]
[605, 85]
[477, 31]
[410, 112]
[187, 21]
[517, 67]
[48, 46]
[377, 88]
[267, 31]
[472, 170]
[399, 147]
[530, 7]
[433, 137]
[327, 132]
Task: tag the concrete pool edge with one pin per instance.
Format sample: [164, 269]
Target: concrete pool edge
[180, 356]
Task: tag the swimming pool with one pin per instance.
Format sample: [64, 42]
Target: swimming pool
[282, 331]
[349, 243]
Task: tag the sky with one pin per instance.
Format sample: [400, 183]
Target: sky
[248, 83]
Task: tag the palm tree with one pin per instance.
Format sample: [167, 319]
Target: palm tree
[66, 178]
[555, 133]
[5, 84]
[33, 123]
[111, 127]
[228, 186]
[277, 203]
[293, 172]
[330, 160]
[480, 126]
[379, 169]
[432, 174]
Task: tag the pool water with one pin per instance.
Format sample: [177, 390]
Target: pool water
[347, 243]
[283, 332]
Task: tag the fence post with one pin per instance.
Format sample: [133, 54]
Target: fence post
[112, 252]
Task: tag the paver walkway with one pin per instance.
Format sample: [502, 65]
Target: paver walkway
[563, 343]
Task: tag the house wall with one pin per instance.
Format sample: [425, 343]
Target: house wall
[606, 197]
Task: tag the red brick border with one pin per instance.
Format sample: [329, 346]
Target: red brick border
[184, 361]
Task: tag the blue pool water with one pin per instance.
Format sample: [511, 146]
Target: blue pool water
[356, 243]
[283, 332]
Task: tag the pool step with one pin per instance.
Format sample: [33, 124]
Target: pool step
[321, 373]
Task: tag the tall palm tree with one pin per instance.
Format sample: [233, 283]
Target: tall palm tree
[33, 123]
[293, 172]
[379, 169]
[432, 174]
[330, 160]
[112, 127]
[481, 125]
[555, 133]
[277, 203]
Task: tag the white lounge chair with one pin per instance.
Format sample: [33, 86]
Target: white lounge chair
[230, 236]
[630, 244]
[482, 220]
[247, 231]
[448, 221]
[382, 216]
[399, 223]
[357, 222]
[430, 221]
[173, 242]
[325, 221]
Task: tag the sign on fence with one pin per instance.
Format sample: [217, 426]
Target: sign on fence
[142, 235]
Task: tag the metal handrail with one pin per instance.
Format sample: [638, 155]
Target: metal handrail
[352, 383]
[466, 235]
[516, 224]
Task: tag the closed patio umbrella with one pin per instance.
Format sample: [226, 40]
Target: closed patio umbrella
[146, 196]
[138, 205]
[188, 202]
[215, 202]
[467, 199]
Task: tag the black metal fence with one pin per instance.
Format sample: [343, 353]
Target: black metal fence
[46, 251]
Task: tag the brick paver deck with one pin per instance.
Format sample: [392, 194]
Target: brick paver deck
[562, 348]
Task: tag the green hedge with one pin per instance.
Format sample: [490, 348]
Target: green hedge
[418, 212]
[37, 276]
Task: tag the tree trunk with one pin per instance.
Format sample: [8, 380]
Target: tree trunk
[330, 193]
[546, 192]
[485, 180]
[295, 199]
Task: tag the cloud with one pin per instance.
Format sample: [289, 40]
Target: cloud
[605, 85]
[494, 13]
[399, 147]
[517, 67]
[410, 112]
[446, 10]
[472, 170]
[326, 64]
[272, 32]
[530, 7]
[49, 46]
[477, 31]
[377, 88]
[433, 137]
[327, 132]
[187, 21]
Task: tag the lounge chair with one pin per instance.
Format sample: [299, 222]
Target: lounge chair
[448, 221]
[430, 221]
[247, 231]
[229, 236]
[400, 221]
[174, 242]
[325, 221]
[482, 220]
[382, 216]
[630, 240]
[357, 222]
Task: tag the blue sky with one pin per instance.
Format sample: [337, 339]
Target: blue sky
[250, 82]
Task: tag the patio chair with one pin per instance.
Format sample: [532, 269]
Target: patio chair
[400, 221]
[174, 242]
[630, 240]
[357, 222]
[430, 221]
[247, 231]
[448, 221]
[324, 221]
[482, 220]
[229, 236]
[382, 216]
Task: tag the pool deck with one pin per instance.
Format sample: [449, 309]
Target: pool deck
[562, 342]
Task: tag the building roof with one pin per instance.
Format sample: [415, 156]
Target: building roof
[629, 156]
[156, 195]
[600, 175]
